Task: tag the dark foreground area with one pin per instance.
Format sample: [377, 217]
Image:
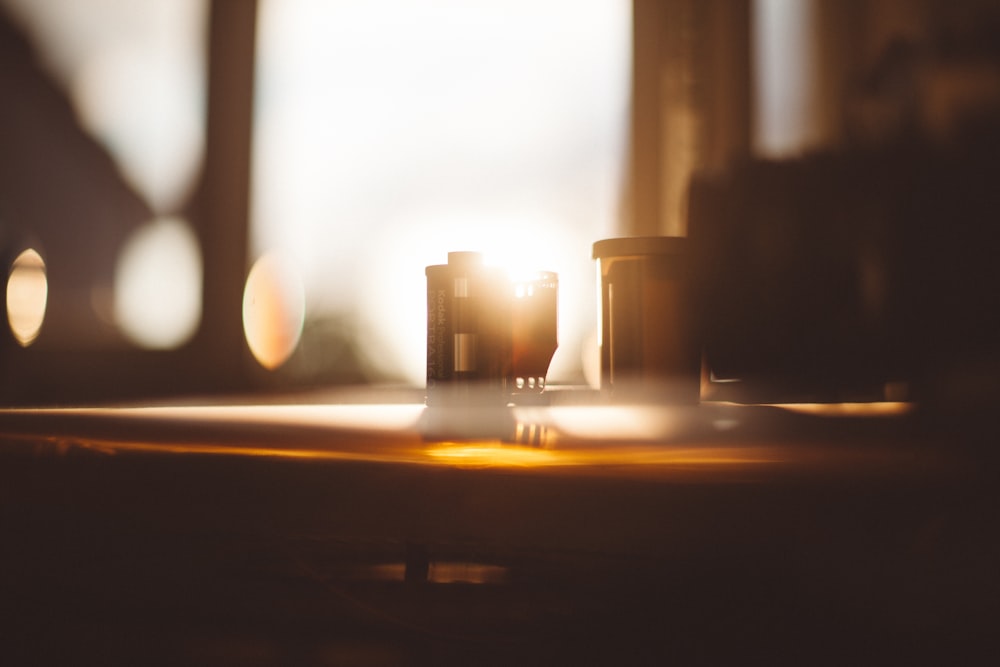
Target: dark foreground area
[859, 550]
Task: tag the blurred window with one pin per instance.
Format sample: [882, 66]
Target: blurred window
[135, 72]
[390, 132]
[785, 77]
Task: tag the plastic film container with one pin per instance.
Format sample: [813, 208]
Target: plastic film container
[649, 347]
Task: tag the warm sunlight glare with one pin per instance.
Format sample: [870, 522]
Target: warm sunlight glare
[873, 409]
[522, 245]
[27, 293]
[389, 133]
[621, 423]
[486, 454]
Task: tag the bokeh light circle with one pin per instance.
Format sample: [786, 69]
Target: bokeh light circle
[27, 296]
[273, 310]
[158, 285]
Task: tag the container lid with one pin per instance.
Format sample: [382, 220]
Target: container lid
[640, 245]
[463, 260]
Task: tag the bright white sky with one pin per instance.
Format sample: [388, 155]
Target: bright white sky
[390, 132]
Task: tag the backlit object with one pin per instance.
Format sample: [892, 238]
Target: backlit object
[649, 347]
[487, 335]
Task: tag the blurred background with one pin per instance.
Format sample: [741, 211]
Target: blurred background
[228, 196]
[204, 196]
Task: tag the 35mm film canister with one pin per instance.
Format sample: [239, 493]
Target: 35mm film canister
[488, 337]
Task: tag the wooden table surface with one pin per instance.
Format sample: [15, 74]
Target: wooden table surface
[355, 534]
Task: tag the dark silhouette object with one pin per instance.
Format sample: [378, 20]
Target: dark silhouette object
[59, 187]
[827, 277]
